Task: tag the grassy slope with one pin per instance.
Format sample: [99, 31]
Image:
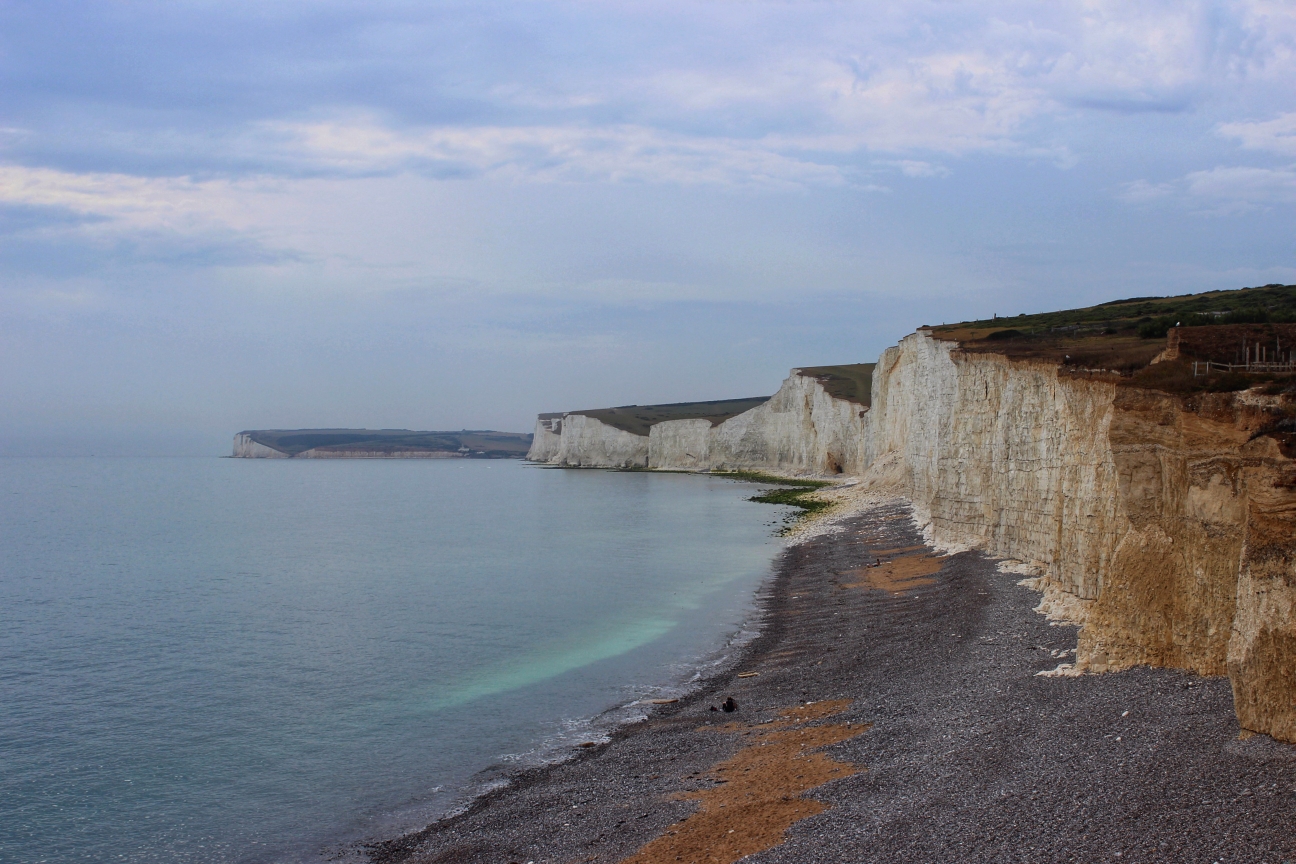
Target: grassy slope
[1272, 303]
[638, 419]
[852, 382]
[1124, 336]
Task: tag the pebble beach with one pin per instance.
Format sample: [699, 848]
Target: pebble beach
[893, 710]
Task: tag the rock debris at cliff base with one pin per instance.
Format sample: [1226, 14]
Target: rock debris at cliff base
[969, 755]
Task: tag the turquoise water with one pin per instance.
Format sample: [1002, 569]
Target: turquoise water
[253, 660]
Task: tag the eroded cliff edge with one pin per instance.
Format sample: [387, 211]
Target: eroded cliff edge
[1167, 519]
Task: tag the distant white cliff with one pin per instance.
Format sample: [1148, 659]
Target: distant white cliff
[801, 429]
[246, 448]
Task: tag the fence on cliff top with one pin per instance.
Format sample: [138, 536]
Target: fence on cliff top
[1205, 367]
[1258, 359]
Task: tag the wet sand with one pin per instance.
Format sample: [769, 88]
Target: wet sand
[895, 715]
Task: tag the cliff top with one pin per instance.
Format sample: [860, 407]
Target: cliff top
[638, 419]
[1144, 317]
[852, 382]
[479, 442]
[1254, 328]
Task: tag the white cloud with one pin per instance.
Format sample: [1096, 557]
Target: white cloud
[797, 90]
[166, 203]
[760, 94]
[1244, 186]
[1276, 136]
[915, 168]
[174, 221]
[634, 154]
[1221, 190]
[1141, 192]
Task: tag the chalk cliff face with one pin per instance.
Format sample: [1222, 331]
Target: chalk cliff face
[681, 445]
[246, 448]
[1000, 455]
[1163, 514]
[801, 429]
[546, 440]
[1171, 523]
[590, 443]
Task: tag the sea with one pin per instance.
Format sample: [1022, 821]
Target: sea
[236, 660]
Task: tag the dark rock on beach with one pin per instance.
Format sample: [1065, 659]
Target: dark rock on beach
[929, 737]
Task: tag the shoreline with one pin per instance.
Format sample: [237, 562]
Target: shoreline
[936, 737]
[680, 680]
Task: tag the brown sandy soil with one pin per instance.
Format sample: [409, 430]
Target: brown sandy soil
[757, 795]
[897, 570]
[1233, 343]
[970, 755]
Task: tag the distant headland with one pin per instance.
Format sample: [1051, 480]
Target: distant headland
[379, 444]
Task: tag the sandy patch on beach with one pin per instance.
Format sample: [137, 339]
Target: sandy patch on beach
[900, 572]
[757, 795]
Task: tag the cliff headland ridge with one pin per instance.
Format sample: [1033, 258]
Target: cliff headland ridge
[378, 444]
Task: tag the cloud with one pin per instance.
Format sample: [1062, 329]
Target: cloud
[915, 168]
[22, 218]
[1220, 190]
[1142, 192]
[757, 94]
[166, 202]
[62, 222]
[1276, 136]
[625, 154]
[1244, 186]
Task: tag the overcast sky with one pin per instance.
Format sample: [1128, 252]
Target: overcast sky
[227, 215]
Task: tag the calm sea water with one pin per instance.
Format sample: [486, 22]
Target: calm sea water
[234, 660]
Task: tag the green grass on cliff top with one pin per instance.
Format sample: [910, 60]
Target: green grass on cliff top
[1122, 337]
[1146, 317]
[852, 382]
[638, 419]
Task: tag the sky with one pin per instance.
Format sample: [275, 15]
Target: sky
[218, 216]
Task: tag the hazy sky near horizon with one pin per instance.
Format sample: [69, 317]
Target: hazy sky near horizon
[227, 215]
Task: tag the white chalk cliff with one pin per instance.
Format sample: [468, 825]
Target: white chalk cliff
[800, 429]
[547, 439]
[246, 448]
[1165, 519]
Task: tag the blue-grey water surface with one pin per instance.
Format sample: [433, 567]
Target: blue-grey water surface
[224, 660]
